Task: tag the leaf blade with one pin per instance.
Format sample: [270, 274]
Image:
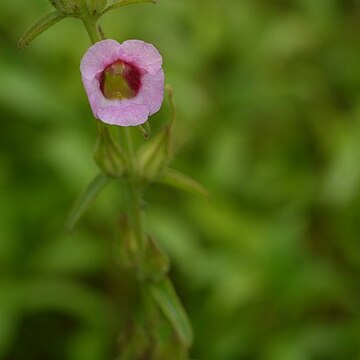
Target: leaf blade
[181, 181]
[85, 199]
[40, 26]
[165, 296]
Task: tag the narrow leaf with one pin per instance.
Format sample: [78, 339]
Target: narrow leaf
[121, 3]
[85, 199]
[165, 296]
[183, 182]
[39, 27]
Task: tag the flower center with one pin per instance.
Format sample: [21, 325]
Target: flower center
[120, 80]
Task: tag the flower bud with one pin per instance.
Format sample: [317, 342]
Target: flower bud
[68, 7]
[155, 155]
[96, 6]
[78, 7]
[108, 156]
[154, 265]
[156, 262]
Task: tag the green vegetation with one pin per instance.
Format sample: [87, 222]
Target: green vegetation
[268, 120]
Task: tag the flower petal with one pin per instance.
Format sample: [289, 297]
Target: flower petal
[142, 54]
[94, 94]
[151, 91]
[98, 57]
[123, 113]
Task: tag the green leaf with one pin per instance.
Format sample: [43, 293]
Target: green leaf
[39, 27]
[85, 199]
[121, 3]
[165, 296]
[183, 182]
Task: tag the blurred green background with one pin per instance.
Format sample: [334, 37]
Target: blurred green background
[268, 96]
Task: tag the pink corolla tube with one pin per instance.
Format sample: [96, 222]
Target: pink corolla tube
[124, 82]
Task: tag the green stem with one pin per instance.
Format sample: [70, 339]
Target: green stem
[92, 29]
[135, 193]
[136, 219]
[131, 152]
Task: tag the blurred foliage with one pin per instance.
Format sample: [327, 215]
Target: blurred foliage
[268, 94]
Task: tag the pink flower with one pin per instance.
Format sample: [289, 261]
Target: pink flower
[124, 82]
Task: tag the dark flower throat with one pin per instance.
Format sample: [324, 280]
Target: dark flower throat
[120, 80]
